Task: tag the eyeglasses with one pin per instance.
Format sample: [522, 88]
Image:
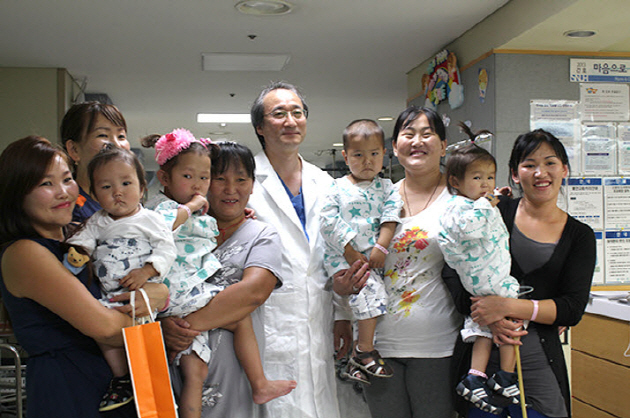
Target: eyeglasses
[297, 114]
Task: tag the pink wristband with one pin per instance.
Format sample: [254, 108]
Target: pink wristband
[187, 209]
[381, 248]
[478, 373]
[168, 301]
[535, 313]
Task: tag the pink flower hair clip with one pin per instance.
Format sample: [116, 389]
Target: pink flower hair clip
[171, 144]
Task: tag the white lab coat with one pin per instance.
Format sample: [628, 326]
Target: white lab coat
[298, 315]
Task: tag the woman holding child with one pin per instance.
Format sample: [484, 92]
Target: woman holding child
[250, 255]
[552, 252]
[66, 372]
[417, 334]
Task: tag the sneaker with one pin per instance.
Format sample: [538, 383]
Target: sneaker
[474, 389]
[505, 384]
[119, 393]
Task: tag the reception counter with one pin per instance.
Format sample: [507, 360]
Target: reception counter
[600, 366]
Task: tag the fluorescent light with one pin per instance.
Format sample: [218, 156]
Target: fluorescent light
[264, 7]
[220, 61]
[580, 33]
[223, 118]
[338, 144]
[385, 118]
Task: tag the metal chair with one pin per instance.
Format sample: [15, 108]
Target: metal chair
[16, 396]
[11, 399]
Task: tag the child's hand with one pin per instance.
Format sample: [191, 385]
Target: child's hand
[351, 255]
[494, 200]
[250, 213]
[503, 191]
[377, 259]
[138, 277]
[199, 202]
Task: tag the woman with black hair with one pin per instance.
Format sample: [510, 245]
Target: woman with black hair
[417, 334]
[552, 252]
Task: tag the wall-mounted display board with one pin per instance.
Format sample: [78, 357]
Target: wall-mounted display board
[596, 134]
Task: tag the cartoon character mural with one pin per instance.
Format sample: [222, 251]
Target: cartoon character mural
[442, 81]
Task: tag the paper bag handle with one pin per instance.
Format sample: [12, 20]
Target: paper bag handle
[132, 302]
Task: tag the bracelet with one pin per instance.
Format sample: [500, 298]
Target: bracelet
[168, 301]
[381, 248]
[475, 372]
[187, 209]
[535, 313]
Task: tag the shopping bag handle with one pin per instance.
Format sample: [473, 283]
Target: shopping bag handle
[132, 302]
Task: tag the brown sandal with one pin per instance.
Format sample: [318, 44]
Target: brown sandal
[355, 374]
[377, 367]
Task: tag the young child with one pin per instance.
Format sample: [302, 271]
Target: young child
[475, 243]
[129, 244]
[184, 173]
[358, 222]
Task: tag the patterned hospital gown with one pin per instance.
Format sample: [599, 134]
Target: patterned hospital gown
[125, 244]
[195, 239]
[353, 213]
[475, 242]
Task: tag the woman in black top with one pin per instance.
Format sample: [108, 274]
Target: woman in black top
[552, 252]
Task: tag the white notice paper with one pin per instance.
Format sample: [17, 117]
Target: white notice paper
[617, 248]
[586, 201]
[617, 203]
[605, 102]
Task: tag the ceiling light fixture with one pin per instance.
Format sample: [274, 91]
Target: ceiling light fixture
[264, 7]
[223, 118]
[385, 118]
[338, 144]
[225, 61]
[580, 33]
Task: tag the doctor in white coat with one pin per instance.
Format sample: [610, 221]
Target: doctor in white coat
[288, 193]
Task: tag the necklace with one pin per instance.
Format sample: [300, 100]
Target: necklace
[428, 201]
[223, 231]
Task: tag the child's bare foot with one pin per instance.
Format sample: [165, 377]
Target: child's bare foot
[272, 389]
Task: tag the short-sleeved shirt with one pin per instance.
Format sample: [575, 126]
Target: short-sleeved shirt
[421, 320]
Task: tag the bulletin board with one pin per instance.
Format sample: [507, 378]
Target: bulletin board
[595, 131]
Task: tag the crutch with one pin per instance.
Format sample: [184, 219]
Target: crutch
[517, 352]
[521, 387]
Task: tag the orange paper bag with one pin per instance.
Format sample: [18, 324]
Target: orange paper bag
[148, 367]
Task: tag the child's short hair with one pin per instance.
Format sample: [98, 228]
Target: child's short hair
[363, 128]
[110, 153]
[461, 158]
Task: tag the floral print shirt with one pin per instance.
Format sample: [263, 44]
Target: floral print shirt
[421, 320]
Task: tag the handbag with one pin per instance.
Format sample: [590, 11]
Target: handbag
[148, 367]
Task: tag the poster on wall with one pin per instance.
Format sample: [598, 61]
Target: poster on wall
[586, 201]
[599, 145]
[600, 259]
[599, 70]
[623, 148]
[561, 118]
[605, 102]
[617, 259]
[442, 81]
[482, 81]
[617, 203]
